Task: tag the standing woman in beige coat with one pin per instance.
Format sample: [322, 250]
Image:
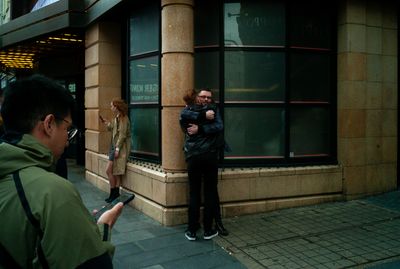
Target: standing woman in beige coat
[120, 147]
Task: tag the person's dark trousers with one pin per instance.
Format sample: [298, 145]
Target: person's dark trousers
[203, 166]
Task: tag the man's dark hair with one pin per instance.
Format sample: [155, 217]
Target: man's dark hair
[29, 100]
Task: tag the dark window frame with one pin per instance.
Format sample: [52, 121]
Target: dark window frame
[287, 105]
[150, 105]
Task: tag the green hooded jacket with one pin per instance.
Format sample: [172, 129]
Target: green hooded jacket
[70, 235]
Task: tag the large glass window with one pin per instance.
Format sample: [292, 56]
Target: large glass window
[254, 76]
[273, 67]
[144, 80]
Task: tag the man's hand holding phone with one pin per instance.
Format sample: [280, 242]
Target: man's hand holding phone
[110, 212]
[110, 216]
[102, 119]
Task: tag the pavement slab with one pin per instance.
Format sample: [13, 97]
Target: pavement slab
[363, 233]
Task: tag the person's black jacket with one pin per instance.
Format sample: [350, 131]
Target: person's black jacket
[210, 135]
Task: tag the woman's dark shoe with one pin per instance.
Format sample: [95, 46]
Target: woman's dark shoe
[114, 193]
[221, 229]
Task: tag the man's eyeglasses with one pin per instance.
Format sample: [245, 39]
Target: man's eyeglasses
[72, 130]
[205, 97]
[72, 133]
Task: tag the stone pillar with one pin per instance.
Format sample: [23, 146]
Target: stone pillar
[102, 83]
[177, 69]
[367, 96]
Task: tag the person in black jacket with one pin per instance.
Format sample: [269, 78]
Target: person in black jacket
[203, 129]
[197, 113]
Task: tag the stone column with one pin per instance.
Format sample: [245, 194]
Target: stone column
[367, 96]
[177, 75]
[102, 83]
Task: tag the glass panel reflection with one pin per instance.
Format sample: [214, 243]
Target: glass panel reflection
[254, 132]
[254, 23]
[310, 77]
[145, 130]
[207, 71]
[254, 76]
[144, 32]
[310, 132]
[144, 77]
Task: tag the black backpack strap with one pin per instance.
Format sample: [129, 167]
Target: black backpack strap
[6, 260]
[28, 212]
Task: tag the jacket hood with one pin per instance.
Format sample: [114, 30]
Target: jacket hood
[24, 152]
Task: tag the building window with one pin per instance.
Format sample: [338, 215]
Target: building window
[273, 67]
[144, 80]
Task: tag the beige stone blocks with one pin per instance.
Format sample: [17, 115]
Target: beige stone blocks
[374, 68]
[352, 66]
[102, 82]
[374, 150]
[92, 140]
[103, 53]
[352, 11]
[100, 97]
[103, 32]
[97, 141]
[268, 183]
[389, 150]
[351, 123]
[389, 65]
[243, 208]
[367, 111]
[389, 122]
[354, 180]
[356, 37]
[177, 27]
[164, 196]
[389, 174]
[352, 151]
[389, 95]
[236, 189]
[374, 95]
[389, 42]
[351, 94]
[97, 181]
[178, 77]
[374, 40]
[92, 119]
[176, 2]
[103, 75]
[374, 120]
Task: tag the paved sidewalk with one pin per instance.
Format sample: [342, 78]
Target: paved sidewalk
[362, 233]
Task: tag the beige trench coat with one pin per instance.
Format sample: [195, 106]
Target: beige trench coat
[121, 138]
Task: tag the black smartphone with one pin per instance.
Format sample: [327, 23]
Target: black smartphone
[125, 198]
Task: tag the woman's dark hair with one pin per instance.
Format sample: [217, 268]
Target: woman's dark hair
[190, 97]
[29, 100]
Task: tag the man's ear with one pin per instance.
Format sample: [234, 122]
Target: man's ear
[48, 124]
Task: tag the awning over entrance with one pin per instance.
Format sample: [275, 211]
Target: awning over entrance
[51, 29]
[25, 55]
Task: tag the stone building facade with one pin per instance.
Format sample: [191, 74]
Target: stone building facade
[366, 116]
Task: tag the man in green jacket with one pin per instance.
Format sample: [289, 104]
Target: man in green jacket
[44, 223]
